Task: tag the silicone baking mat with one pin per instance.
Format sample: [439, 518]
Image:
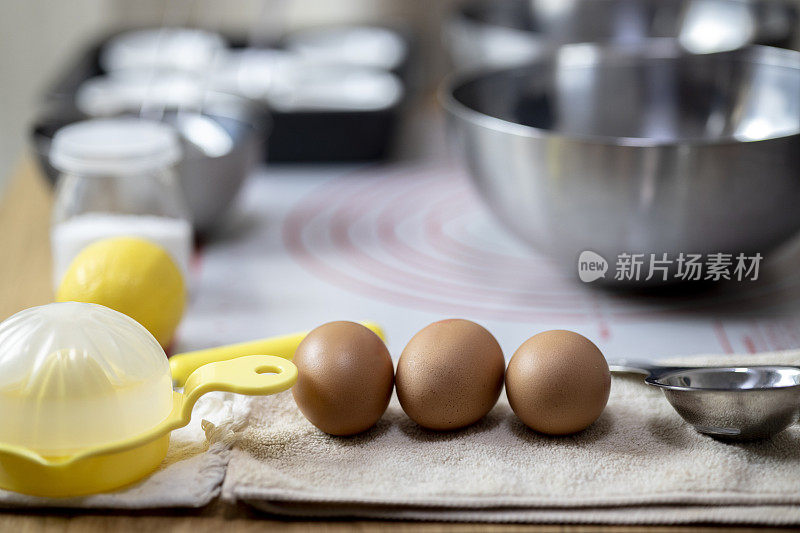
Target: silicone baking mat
[407, 244]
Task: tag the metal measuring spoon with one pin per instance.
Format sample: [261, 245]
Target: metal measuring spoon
[727, 402]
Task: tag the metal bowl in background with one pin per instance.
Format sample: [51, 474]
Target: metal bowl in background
[223, 141]
[614, 151]
[497, 33]
[222, 149]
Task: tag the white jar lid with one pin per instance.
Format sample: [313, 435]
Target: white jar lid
[114, 146]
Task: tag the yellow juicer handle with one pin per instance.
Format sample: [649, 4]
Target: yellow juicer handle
[181, 365]
[255, 375]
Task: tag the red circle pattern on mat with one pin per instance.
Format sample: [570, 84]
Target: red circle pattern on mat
[419, 237]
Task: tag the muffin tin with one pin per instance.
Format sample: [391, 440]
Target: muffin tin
[297, 134]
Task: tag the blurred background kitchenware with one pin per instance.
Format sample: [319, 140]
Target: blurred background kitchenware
[617, 150]
[338, 91]
[322, 109]
[731, 403]
[222, 134]
[366, 46]
[183, 49]
[333, 93]
[495, 33]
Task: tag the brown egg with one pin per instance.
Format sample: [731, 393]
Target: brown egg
[450, 374]
[558, 382]
[345, 378]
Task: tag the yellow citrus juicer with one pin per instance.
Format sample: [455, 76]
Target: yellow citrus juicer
[86, 398]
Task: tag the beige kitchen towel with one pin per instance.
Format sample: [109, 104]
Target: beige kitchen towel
[189, 476]
[639, 463]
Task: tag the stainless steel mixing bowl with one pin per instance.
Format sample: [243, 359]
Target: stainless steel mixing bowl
[617, 151]
[494, 33]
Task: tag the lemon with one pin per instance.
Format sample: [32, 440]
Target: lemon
[130, 275]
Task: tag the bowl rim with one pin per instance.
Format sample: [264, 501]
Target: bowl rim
[467, 14]
[598, 54]
[657, 381]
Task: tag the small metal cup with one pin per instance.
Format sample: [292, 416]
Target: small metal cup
[730, 403]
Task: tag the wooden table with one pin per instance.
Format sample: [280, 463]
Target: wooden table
[25, 271]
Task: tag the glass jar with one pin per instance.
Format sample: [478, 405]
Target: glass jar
[117, 178]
